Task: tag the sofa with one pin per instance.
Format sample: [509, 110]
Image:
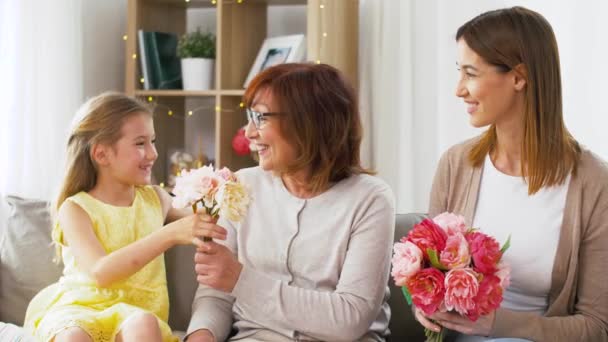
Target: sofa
[26, 267]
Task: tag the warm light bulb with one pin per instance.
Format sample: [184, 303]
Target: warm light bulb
[162, 185]
[241, 105]
[190, 113]
[124, 37]
[134, 56]
[187, 0]
[170, 113]
[322, 6]
[213, 2]
[324, 34]
[318, 61]
[141, 80]
[239, 1]
[150, 98]
[217, 108]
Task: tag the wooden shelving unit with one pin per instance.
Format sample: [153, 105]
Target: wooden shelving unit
[332, 37]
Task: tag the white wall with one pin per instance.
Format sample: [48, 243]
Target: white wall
[104, 24]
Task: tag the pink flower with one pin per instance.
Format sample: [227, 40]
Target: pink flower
[485, 252]
[427, 289]
[461, 287]
[488, 297]
[407, 260]
[427, 235]
[456, 253]
[451, 223]
[193, 185]
[226, 174]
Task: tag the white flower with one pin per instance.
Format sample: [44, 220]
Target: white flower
[232, 199]
[194, 185]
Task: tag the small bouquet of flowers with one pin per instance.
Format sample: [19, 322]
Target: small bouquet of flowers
[218, 191]
[443, 265]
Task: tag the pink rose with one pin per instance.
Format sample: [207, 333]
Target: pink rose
[451, 223]
[427, 289]
[488, 297]
[456, 253]
[407, 260]
[427, 235]
[485, 252]
[461, 287]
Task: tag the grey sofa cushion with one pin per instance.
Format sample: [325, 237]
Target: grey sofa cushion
[182, 284]
[25, 256]
[403, 326]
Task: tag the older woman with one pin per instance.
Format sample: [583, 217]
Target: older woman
[527, 177]
[310, 261]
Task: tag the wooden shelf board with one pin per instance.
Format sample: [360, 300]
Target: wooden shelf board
[176, 92]
[190, 93]
[232, 92]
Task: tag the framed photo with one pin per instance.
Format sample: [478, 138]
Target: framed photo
[277, 50]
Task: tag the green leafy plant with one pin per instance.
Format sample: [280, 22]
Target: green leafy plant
[196, 45]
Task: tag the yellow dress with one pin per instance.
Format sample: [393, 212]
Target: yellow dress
[76, 301]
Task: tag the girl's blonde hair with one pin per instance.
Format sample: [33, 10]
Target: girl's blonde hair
[99, 120]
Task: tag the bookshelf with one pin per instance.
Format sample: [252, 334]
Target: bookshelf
[241, 27]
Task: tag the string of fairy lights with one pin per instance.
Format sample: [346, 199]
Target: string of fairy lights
[189, 112]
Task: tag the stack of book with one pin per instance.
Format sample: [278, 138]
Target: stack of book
[160, 66]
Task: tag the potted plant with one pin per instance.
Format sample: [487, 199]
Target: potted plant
[197, 53]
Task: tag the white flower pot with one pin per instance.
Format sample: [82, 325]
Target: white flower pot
[197, 73]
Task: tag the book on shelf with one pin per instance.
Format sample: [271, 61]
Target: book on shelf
[160, 66]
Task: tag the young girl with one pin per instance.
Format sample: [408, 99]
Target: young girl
[109, 232]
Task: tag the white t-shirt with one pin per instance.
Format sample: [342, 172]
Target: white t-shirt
[534, 222]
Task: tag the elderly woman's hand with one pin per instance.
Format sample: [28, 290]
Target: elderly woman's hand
[217, 267]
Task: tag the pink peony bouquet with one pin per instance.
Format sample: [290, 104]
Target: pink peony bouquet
[219, 192]
[443, 265]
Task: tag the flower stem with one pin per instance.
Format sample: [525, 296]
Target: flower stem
[194, 209]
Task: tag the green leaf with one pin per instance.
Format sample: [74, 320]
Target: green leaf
[506, 245]
[434, 259]
[407, 295]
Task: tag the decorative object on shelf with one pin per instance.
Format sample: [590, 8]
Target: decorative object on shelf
[240, 143]
[178, 161]
[276, 50]
[197, 51]
[160, 66]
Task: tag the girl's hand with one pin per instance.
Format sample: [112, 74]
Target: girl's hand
[192, 228]
[425, 321]
[217, 267]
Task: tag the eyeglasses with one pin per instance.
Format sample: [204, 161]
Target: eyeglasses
[258, 118]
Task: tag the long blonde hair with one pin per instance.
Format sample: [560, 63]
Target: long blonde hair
[99, 120]
[509, 37]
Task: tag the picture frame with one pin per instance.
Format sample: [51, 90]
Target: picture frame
[277, 50]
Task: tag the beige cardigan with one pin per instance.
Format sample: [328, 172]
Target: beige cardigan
[578, 299]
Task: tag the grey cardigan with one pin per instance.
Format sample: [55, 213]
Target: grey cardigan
[578, 298]
[313, 269]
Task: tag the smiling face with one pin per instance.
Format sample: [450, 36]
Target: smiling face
[491, 95]
[275, 152]
[130, 159]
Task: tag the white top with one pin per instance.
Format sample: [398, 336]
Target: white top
[504, 208]
[313, 269]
